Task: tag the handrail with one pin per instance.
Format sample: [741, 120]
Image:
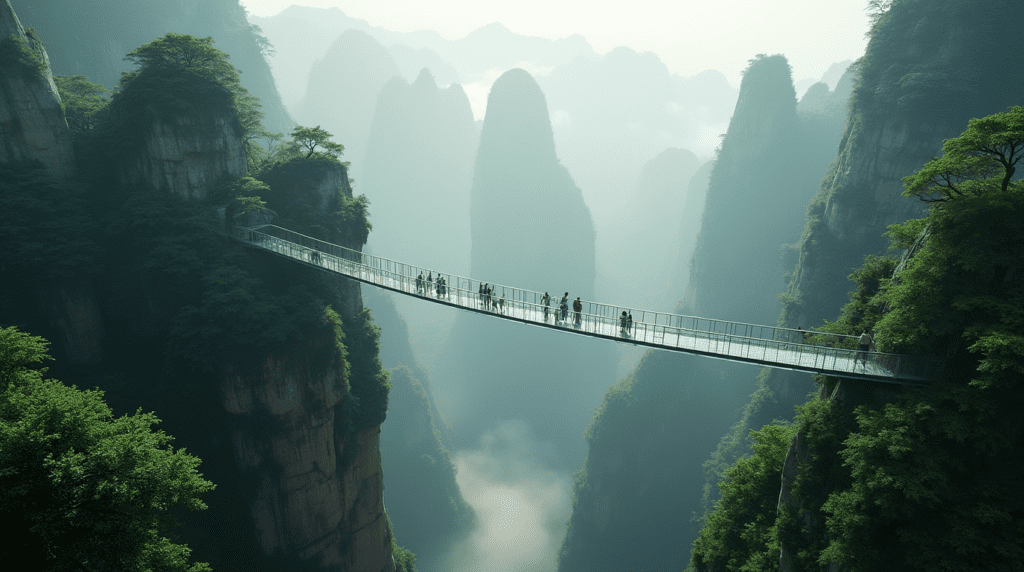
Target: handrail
[716, 338]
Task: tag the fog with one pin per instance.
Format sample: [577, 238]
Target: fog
[567, 157]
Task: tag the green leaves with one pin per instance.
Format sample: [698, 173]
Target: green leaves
[83, 101]
[308, 139]
[983, 159]
[78, 487]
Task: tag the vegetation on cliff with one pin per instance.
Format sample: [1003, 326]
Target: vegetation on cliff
[187, 300]
[927, 478]
[81, 488]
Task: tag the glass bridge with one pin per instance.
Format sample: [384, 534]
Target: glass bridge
[783, 348]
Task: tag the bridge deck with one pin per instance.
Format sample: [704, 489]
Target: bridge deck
[763, 345]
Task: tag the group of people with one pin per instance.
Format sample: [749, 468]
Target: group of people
[562, 312]
[489, 301]
[439, 287]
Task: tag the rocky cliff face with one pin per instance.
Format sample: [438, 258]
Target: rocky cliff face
[928, 69]
[286, 424]
[93, 41]
[530, 228]
[764, 173]
[32, 124]
[187, 155]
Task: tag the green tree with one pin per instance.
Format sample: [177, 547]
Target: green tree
[79, 488]
[740, 533]
[83, 101]
[983, 159]
[179, 73]
[308, 139]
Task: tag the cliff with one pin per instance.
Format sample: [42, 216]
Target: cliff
[32, 124]
[93, 42]
[187, 155]
[895, 124]
[764, 173]
[530, 227]
[39, 197]
[267, 370]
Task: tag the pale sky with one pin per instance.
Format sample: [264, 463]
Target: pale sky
[688, 35]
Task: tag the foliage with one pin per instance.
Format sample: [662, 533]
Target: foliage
[740, 535]
[297, 183]
[983, 159]
[45, 227]
[369, 379]
[22, 59]
[80, 488]
[864, 309]
[179, 75]
[83, 101]
[306, 140]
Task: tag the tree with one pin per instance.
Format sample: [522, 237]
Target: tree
[983, 159]
[307, 139]
[83, 100]
[80, 489]
[183, 73]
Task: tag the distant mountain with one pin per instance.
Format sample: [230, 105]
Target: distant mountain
[93, 40]
[633, 510]
[342, 92]
[530, 228]
[642, 242]
[614, 113]
[303, 35]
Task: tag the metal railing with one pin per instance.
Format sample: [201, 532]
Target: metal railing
[804, 350]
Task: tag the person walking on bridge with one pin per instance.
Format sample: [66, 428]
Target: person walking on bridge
[577, 308]
[629, 323]
[864, 345]
[546, 301]
[563, 307]
[419, 284]
[623, 320]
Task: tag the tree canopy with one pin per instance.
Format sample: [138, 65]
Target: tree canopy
[308, 139]
[983, 159]
[182, 74]
[82, 99]
[79, 488]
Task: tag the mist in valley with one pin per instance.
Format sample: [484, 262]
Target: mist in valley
[543, 164]
[692, 161]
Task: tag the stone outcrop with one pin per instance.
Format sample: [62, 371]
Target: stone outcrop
[94, 41]
[188, 155]
[288, 436]
[972, 56]
[530, 228]
[32, 124]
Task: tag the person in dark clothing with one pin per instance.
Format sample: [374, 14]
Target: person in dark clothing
[623, 319]
[419, 283]
[563, 307]
[577, 308]
[629, 323]
[863, 346]
[546, 301]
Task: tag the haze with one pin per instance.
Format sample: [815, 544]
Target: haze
[688, 36]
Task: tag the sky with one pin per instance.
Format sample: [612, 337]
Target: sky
[688, 35]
